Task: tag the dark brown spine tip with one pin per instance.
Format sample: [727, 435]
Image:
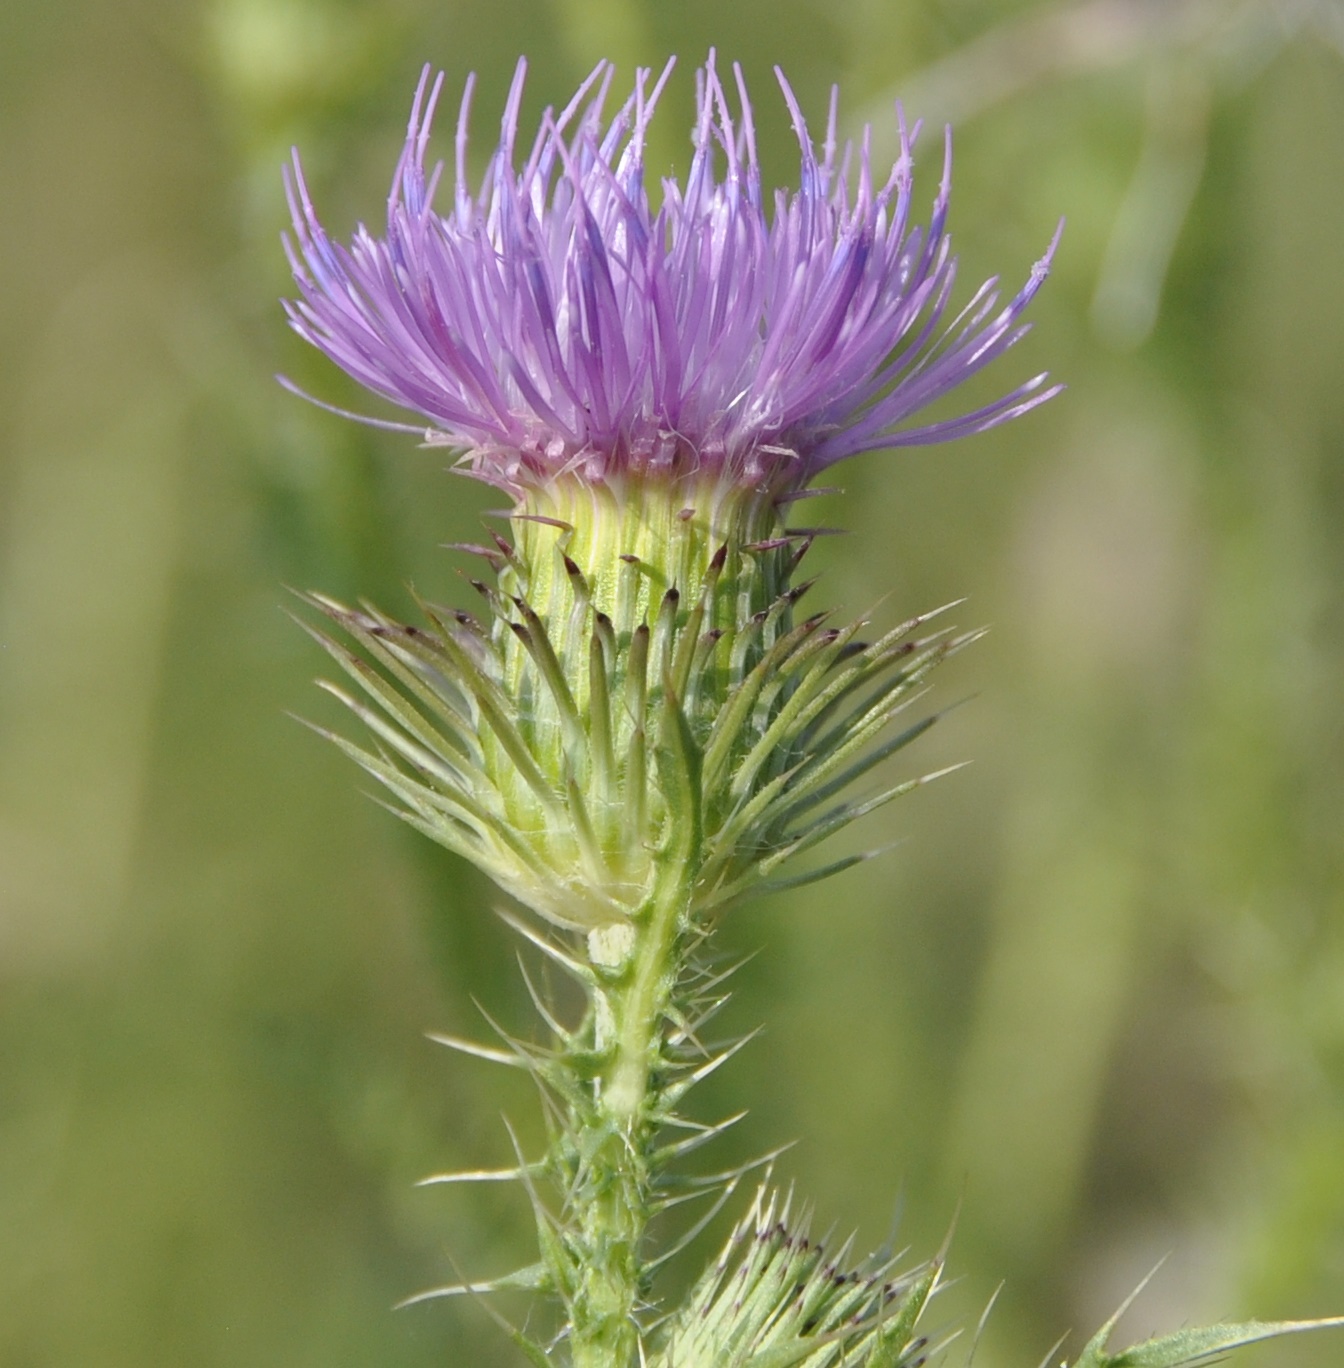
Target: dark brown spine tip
[685, 514]
[503, 543]
[629, 559]
[796, 559]
[531, 616]
[486, 553]
[543, 520]
[521, 633]
[672, 597]
[719, 559]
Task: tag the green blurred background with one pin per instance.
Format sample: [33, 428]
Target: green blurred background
[1095, 996]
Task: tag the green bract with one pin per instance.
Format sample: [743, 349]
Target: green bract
[642, 701]
[776, 1299]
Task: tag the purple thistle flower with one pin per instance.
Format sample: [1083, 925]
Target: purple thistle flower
[555, 323]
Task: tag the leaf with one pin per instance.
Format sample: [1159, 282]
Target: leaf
[1189, 1347]
[528, 1279]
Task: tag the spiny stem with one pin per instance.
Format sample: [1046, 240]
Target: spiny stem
[613, 1199]
[639, 1023]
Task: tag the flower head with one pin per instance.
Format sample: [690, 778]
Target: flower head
[639, 720]
[555, 322]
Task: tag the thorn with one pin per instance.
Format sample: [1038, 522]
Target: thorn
[493, 558]
[476, 1176]
[798, 590]
[680, 1148]
[505, 546]
[572, 966]
[545, 1221]
[468, 1047]
[981, 1324]
[533, 1057]
[689, 1236]
[525, 1278]
[1052, 1351]
[433, 1293]
[542, 1010]
[723, 1057]
[796, 559]
[944, 772]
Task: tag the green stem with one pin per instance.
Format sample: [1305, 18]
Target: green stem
[613, 1192]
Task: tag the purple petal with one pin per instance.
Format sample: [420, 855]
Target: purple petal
[555, 322]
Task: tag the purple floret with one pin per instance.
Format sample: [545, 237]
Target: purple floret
[555, 323]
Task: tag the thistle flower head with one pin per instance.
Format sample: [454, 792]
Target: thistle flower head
[554, 322]
[640, 711]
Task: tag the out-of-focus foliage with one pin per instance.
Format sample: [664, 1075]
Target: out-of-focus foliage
[1096, 996]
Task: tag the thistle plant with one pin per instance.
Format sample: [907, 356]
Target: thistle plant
[640, 726]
